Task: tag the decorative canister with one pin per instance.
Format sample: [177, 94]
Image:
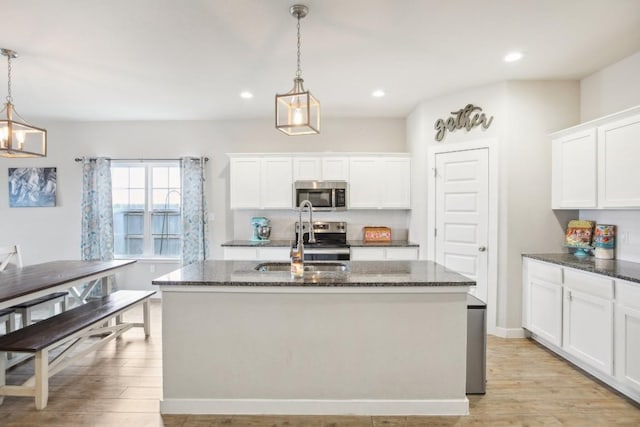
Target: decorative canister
[604, 241]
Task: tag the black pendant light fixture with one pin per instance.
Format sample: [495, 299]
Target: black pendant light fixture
[17, 138]
[297, 111]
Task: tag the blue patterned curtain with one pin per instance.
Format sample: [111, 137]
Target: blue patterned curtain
[195, 245]
[97, 210]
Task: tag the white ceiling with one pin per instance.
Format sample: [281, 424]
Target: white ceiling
[190, 59]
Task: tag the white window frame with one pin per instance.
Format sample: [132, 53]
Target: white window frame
[148, 211]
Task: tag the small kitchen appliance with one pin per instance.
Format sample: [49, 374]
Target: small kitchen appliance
[261, 229]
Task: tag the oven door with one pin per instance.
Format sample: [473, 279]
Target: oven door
[327, 254]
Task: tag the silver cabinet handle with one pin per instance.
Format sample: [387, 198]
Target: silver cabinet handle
[482, 248]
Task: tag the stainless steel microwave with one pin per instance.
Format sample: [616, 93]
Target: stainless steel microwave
[323, 195]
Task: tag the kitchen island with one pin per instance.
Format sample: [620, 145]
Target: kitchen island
[381, 338]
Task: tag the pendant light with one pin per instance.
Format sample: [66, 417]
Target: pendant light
[297, 111]
[17, 138]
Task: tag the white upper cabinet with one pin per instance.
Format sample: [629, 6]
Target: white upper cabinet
[245, 182]
[380, 182]
[277, 179]
[320, 168]
[335, 168]
[595, 165]
[307, 169]
[574, 170]
[619, 163]
[260, 183]
[265, 181]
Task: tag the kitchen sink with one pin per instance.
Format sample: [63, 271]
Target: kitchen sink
[312, 267]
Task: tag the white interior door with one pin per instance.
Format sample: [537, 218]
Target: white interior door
[462, 214]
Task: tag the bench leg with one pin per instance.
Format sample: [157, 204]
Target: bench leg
[146, 313]
[42, 378]
[3, 371]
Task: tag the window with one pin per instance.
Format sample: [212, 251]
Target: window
[146, 209]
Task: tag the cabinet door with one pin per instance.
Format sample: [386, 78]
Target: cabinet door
[588, 329]
[277, 183]
[627, 334]
[544, 309]
[574, 174]
[364, 182]
[401, 254]
[307, 169]
[396, 183]
[335, 168]
[240, 254]
[244, 182]
[368, 254]
[618, 160]
[274, 254]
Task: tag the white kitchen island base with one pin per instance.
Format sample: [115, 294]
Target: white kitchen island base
[379, 350]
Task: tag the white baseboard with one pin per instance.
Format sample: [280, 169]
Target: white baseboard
[315, 407]
[509, 332]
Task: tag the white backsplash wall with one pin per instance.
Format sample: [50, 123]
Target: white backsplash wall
[282, 222]
[627, 224]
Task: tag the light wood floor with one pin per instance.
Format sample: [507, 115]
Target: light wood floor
[121, 386]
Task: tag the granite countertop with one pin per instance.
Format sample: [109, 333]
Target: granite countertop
[261, 243]
[625, 270]
[360, 274]
[393, 243]
[287, 243]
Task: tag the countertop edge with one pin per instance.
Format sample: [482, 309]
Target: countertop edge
[618, 269]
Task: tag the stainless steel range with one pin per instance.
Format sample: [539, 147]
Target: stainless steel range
[331, 241]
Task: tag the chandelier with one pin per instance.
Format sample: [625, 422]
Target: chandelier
[297, 111]
[17, 138]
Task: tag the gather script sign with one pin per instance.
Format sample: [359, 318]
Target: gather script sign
[462, 118]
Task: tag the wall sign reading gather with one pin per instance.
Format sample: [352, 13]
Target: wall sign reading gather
[462, 119]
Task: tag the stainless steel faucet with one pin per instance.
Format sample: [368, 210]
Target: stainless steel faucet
[312, 237]
[297, 253]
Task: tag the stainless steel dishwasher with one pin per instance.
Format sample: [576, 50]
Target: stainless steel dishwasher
[476, 345]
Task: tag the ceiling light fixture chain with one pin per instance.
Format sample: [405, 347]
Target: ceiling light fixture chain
[10, 55]
[299, 71]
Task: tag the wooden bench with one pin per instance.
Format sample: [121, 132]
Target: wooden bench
[73, 327]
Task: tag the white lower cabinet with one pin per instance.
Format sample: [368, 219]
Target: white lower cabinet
[588, 328]
[591, 319]
[384, 254]
[543, 294]
[627, 335]
[242, 253]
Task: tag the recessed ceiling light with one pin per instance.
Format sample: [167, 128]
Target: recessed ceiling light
[246, 95]
[377, 93]
[513, 56]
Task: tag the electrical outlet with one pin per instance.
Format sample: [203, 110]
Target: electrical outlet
[625, 238]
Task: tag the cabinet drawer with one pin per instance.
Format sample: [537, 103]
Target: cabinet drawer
[592, 284]
[628, 294]
[402, 254]
[546, 272]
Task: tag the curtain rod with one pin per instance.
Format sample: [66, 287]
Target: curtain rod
[79, 159]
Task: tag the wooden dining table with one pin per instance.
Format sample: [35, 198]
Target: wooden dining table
[33, 281]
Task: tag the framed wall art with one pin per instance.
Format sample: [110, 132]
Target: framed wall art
[32, 187]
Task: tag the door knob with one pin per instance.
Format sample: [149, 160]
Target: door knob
[482, 248]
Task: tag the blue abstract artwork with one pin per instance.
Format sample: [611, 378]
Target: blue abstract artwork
[32, 187]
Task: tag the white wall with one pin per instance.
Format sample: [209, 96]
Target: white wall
[524, 114]
[612, 89]
[54, 233]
